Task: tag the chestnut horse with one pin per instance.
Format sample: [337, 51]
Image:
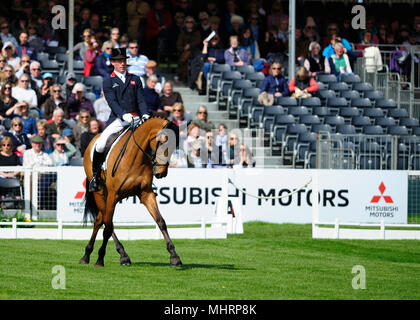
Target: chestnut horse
[133, 162]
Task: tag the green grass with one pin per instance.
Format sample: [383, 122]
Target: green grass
[267, 262]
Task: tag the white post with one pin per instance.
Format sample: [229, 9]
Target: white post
[315, 205]
[14, 228]
[35, 175]
[336, 229]
[71, 35]
[383, 229]
[292, 38]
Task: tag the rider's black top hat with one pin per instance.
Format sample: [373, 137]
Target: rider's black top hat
[118, 53]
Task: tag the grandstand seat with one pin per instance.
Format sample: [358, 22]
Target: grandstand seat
[280, 125]
[268, 115]
[305, 142]
[321, 128]
[62, 59]
[309, 120]
[336, 103]
[321, 111]
[299, 111]
[322, 85]
[326, 78]
[361, 103]
[333, 121]
[416, 131]
[362, 87]
[247, 100]
[78, 66]
[385, 103]
[361, 121]
[326, 94]
[346, 129]
[76, 162]
[350, 78]
[12, 193]
[398, 113]
[348, 113]
[370, 156]
[373, 130]
[350, 94]
[310, 102]
[214, 76]
[91, 96]
[236, 91]
[93, 82]
[42, 56]
[257, 78]
[398, 130]
[373, 95]
[286, 101]
[255, 116]
[51, 66]
[244, 69]
[373, 112]
[409, 122]
[339, 86]
[386, 122]
[292, 132]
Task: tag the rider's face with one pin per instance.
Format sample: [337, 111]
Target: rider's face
[120, 65]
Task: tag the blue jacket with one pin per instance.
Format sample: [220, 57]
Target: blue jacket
[102, 68]
[152, 99]
[270, 85]
[329, 51]
[29, 51]
[124, 97]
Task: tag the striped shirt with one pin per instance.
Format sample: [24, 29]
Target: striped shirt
[137, 65]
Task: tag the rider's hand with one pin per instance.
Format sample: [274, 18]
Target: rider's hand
[145, 117]
[127, 117]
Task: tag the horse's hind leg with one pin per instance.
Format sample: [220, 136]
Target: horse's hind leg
[89, 248]
[124, 259]
[149, 200]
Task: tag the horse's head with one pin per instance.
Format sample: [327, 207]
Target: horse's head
[163, 145]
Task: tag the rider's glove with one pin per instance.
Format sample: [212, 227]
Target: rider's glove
[127, 117]
[145, 117]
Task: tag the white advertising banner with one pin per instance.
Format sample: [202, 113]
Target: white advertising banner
[187, 195]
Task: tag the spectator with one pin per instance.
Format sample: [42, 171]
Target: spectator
[249, 44]
[311, 30]
[29, 122]
[221, 142]
[9, 53]
[69, 148]
[34, 40]
[83, 23]
[55, 100]
[103, 62]
[8, 75]
[233, 150]
[245, 157]
[194, 158]
[339, 62]
[159, 19]
[102, 109]
[303, 85]
[173, 33]
[24, 47]
[215, 26]
[169, 97]
[136, 18]
[302, 45]
[81, 126]
[2, 63]
[236, 25]
[231, 11]
[283, 32]
[204, 26]
[184, 6]
[86, 137]
[235, 56]
[136, 61]
[181, 119]
[151, 97]
[187, 44]
[212, 53]
[67, 88]
[366, 42]
[213, 160]
[55, 128]
[151, 71]
[22, 92]
[20, 140]
[47, 142]
[332, 32]
[272, 45]
[44, 91]
[95, 25]
[91, 54]
[383, 32]
[77, 102]
[5, 35]
[276, 17]
[178, 159]
[193, 135]
[330, 49]
[348, 32]
[24, 66]
[8, 158]
[35, 71]
[274, 84]
[315, 63]
[255, 26]
[6, 100]
[58, 156]
[115, 37]
[201, 119]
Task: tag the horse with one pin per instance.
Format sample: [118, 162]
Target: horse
[146, 154]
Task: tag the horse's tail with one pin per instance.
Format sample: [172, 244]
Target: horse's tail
[91, 209]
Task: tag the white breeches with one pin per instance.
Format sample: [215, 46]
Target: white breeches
[115, 126]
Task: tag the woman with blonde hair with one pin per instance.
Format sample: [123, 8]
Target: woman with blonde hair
[83, 46]
[81, 126]
[103, 62]
[9, 51]
[7, 157]
[274, 85]
[303, 85]
[55, 100]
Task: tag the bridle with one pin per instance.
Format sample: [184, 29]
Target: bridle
[152, 157]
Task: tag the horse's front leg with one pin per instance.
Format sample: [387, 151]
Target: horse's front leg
[148, 198]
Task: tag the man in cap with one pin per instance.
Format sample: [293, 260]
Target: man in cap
[67, 88]
[124, 93]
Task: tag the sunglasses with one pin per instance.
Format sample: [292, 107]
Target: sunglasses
[24, 80]
[4, 27]
[189, 21]
[60, 144]
[7, 88]
[2, 60]
[6, 145]
[7, 70]
[84, 117]
[202, 112]
[35, 69]
[177, 110]
[133, 47]
[57, 91]
[108, 48]
[275, 68]
[17, 125]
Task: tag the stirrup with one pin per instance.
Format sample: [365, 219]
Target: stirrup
[93, 184]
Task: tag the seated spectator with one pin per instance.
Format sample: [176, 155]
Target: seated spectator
[67, 87]
[339, 62]
[81, 126]
[303, 85]
[311, 30]
[235, 56]
[181, 119]
[77, 102]
[178, 159]
[47, 142]
[193, 135]
[212, 52]
[233, 150]
[255, 25]
[315, 63]
[29, 122]
[204, 26]
[6, 100]
[21, 142]
[221, 142]
[283, 31]
[70, 149]
[214, 153]
[302, 45]
[136, 62]
[2, 63]
[59, 156]
[103, 62]
[272, 45]
[55, 100]
[194, 158]
[35, 71]
[274, 84]
[44, 91]
[5, 35]
[249, 44]
[24, 67]
[245, 157]
[169, 97]
[201, 119]
[9, 52]
[22, 92]
[332, 32]
[91, 54]
[330, 49]
[24, 47]
[8, 75]
[151, 97]
[8, 158]
[55, 128]
[366, 42]
[236, 25]
[86, 137]
[81, 47]
[187, 44]
[34, 40]
[151, 71]
[115, 37]
[102, 109]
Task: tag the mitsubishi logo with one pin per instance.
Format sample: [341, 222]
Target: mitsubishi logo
[80, 194]
[376, 199]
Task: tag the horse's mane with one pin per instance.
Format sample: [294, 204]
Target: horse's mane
[169, 125]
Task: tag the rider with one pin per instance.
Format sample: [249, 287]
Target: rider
[124, 93]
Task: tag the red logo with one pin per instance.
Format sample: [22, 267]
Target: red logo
[80, 194]
[133, 82]
[376, 199]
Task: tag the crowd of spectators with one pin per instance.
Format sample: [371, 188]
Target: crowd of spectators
[192, 34]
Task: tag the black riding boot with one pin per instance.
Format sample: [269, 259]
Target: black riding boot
[98, 159]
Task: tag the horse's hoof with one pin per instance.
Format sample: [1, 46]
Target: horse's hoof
[125, 261]
[176, 262]
[84, 260]
[98, 265]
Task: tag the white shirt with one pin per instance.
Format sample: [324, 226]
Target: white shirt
[27, 95]
[121, 75]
